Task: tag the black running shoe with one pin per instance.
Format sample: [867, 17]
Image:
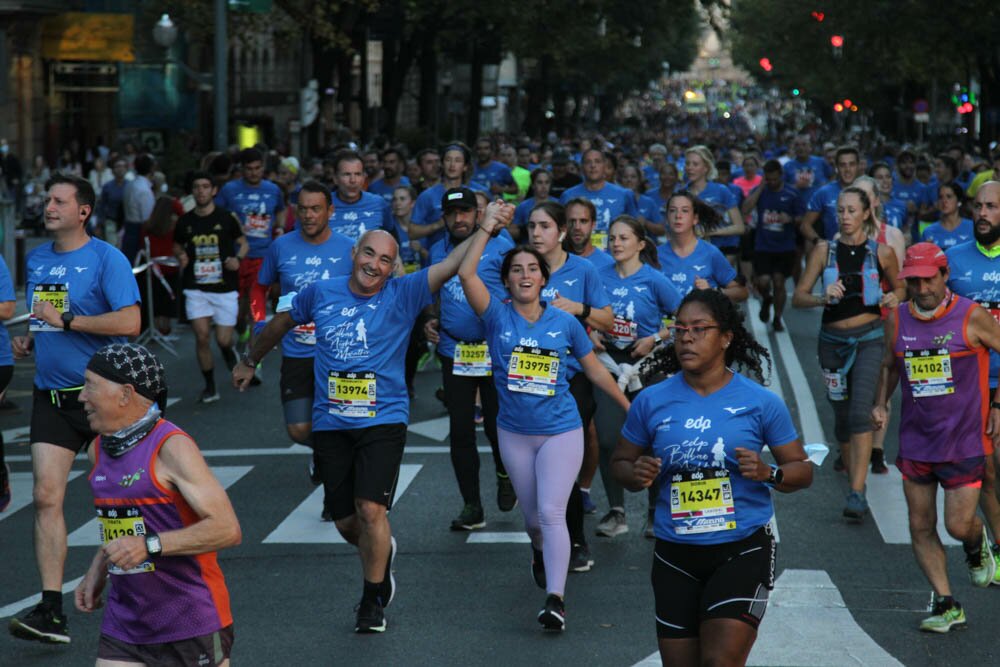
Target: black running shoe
[553, 615]
[580, 559]
[370, 617]
[471, 518]
[506, 498]
[41, 624]
[538, 568]
[878, 462]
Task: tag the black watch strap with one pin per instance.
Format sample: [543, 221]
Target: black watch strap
[586, 312]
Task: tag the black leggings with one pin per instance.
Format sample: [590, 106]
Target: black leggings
[583, 393]
[461, 394]
[6, 373]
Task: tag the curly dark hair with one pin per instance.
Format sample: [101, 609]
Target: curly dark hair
[744, 351]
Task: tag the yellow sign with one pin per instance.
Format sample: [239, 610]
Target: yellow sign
[89, 36]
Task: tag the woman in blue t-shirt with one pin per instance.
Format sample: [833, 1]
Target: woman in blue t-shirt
[700, 172]
[539, 427]
[700, 433]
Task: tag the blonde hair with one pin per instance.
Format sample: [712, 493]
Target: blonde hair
[706, 155]
[877, 216]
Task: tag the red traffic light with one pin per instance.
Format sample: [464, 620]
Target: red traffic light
[848, 103]
[838, 107]
[965, 108]
[819, 16]
[765, 64]
[837, 41]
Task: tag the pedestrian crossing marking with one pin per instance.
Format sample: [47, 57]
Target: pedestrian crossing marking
[20, 490]
[88, 534]
[303, 525]
[519, 537]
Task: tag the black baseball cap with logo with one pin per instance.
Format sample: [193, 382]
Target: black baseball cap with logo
[458, 198]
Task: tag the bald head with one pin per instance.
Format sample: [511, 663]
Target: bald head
[375, 256]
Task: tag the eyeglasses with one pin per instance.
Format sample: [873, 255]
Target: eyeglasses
[697, 332]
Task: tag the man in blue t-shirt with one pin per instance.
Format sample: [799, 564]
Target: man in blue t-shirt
[354, 210]
[82, 295]
[490, 175]
[779, 209]
[823, 204]
[609, 199]
[361, 409]
[393, 164]
[905, 187]
[805, 172]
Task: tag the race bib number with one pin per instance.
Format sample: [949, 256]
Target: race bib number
[929, 372]
[836, 384]
[702, 501]
[472, 360]
[772, 222]
[623, 332]
[57, 295]
[352, 394]
[599, 240]
[257, 225]
[208, 271]
[115, 522]
[992, 307]
[533, 370]
[305, 334]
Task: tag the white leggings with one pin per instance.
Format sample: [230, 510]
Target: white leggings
[542, 469]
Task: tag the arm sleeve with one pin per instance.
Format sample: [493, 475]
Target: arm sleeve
[595, 295]
[117, 282]
[722, 270]
[636, 429]
[578, 339]
[667, 295]
[777, 422]
[268, 274]
[302, 305]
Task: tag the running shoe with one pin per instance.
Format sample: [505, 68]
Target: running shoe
[856, 507]
[765, 310]
[478, 415]
[41, 624]
[588, 505]
[538, 568]
[371, 619]
[389, 581]
[982, 566]
[553, 615]
[778, 325]
[209, 396]
[471, 518]
[878, 462]
[506, 498]
[647, 530]
[613, 524]
[580, 559]
[994, 547]
[4, 487]
[943, 618]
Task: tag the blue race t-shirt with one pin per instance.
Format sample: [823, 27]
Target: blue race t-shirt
[382, 189]
[256, 208]
[295, 263]
[722, 199]
[361, 347]
[773, 235]
[706, 261]
[494, 172]
[975, 276]
[599, 258]
[576, 280]
[535, 398]
[824, 202]
[945, 239]
[895, 213]
[814, 172]
[649, 209]
[610, 201]
[660, 202]
[427, 209]
[692, 433]
[523, 211]
[909, 192]
[95, 279]
[458, 322]
[6, 294]
[639, 303]
[367, 213]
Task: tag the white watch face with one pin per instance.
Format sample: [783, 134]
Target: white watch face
[153, 544]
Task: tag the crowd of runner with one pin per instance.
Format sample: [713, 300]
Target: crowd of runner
[584, 300]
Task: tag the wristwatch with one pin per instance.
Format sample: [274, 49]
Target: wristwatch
[67, 319]
[656, 338]
[153, 546]
[776, 477]
[586, 312]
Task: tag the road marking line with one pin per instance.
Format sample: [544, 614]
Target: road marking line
[20, 491]
[812, 429]
[760, 334]
[519, 537]
[808, 623]
[89, 535]
[435, 429]
[303, 525]
[888, 505]
[32, 600]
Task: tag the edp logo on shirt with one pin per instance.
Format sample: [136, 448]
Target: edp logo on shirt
[699, 424]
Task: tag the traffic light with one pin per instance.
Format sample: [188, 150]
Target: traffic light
[837, 41]
[848, 103]
[765, 64]
[838, 107]
[796, 92]
[819, 16]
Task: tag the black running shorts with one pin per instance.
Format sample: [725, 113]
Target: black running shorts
[57, 417]
[768, 263]
[358, 463]
[695, 583]
[583, 393]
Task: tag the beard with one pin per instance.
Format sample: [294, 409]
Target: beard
[988, 238]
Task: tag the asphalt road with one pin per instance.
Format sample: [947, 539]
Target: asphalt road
[847, 595]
